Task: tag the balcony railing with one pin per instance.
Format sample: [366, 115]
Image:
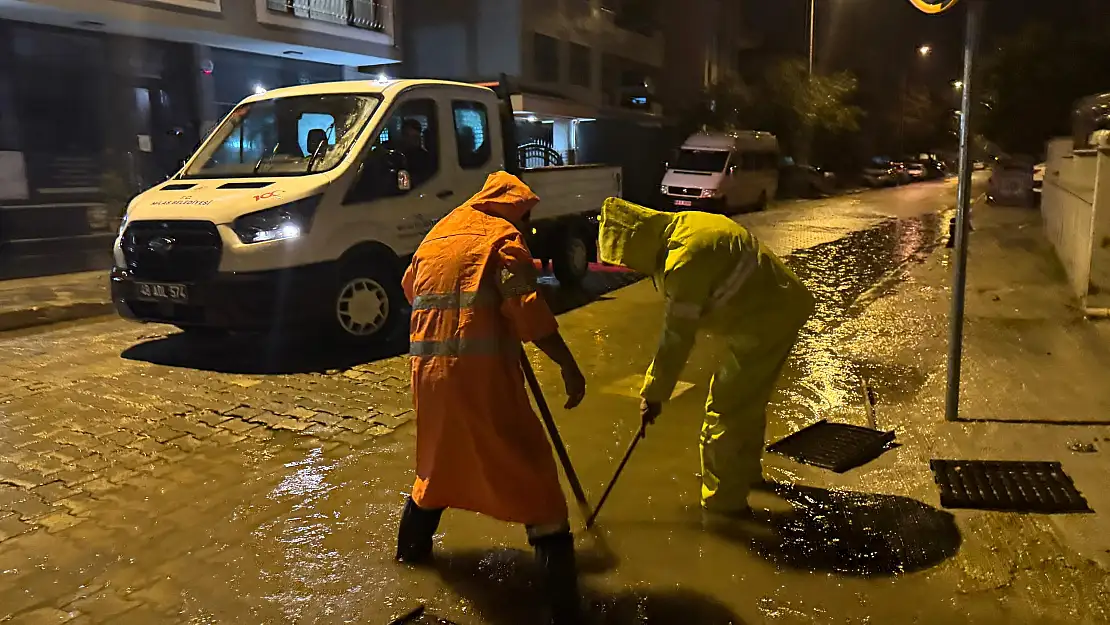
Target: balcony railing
[364, 14]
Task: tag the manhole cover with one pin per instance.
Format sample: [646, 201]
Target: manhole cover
[835, 446]
[1006, 485]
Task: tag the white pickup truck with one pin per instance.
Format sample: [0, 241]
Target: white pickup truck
[304, 205]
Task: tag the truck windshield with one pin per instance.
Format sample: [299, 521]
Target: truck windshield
[701, 160]
[291, 136]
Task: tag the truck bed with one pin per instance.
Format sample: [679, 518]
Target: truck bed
[572, 190]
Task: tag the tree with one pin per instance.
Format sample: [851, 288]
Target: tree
[798, 106]
[1030, 82]
[784, 100]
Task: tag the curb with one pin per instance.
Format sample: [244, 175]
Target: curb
[46, 315]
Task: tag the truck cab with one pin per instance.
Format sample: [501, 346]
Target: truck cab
[304, 205]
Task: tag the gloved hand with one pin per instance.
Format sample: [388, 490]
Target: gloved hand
[649, 411]
[575, 384]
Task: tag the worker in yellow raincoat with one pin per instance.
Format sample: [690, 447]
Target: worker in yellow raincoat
[715, 277]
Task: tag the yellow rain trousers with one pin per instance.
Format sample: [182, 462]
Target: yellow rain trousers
[717, 278]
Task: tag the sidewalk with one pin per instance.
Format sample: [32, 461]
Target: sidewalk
[1033, 389]
[50, 299]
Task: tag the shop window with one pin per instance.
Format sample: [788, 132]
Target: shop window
[472, 134]
[580, 66]
[545, 58]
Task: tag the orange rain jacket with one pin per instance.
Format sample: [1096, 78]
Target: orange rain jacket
[474, 298]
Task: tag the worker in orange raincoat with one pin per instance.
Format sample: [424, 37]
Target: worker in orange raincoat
[479, 446]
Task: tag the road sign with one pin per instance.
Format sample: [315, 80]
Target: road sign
[933, 6]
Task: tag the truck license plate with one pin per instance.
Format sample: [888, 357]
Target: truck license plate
[683, 203]
[154, 292]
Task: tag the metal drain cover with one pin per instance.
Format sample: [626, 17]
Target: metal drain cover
[838, 447]
[1006, 485]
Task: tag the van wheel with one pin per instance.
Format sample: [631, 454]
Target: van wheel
[572, 258]
[761, 203]
[367, 302]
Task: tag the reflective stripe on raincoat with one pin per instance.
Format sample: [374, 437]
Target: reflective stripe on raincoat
[472, 286]
[713, 273]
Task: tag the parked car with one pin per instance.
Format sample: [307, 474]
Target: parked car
[1011, 183]
[805, 181]
[1038, 177]
[917, 172]
[879, 175]
[901, 176]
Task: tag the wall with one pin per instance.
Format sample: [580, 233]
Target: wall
[1098, 289]
[461, 39]
[1068, 209]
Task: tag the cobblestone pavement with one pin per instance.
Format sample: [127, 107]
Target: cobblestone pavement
[148, 479]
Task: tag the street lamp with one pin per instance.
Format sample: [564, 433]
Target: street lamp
[923, 51]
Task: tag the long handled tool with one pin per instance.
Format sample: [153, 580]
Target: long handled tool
[613, 482]
[553, 431]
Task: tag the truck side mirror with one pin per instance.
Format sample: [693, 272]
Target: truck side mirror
[731, 169]
[384, 173]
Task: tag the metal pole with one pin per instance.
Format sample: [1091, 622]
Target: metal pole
[959, 267]
[812, 24]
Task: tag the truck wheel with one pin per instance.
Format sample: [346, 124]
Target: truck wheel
[367, 304]
[571, 258]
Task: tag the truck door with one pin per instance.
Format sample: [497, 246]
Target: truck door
[415, 133]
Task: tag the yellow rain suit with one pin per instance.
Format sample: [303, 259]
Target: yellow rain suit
[715, 277]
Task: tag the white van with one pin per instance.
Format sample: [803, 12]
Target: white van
[724, 172]
[305, 204]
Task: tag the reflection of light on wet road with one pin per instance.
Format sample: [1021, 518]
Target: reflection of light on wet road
[306, 561]
[839, 274]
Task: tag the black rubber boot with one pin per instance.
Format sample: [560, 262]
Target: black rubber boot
[414, 536]
[555, 554]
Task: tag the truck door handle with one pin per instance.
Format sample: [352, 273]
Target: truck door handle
[443, 195]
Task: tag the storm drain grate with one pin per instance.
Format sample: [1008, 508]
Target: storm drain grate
[1006, 485]
[835, 446]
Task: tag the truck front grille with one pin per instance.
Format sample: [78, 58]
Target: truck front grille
[172, 251]
[687, 191]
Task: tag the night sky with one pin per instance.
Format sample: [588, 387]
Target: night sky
[877, 38]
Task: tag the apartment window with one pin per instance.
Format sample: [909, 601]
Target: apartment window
[580, 66]
[366, 14]
[545, 58]
[472, 133]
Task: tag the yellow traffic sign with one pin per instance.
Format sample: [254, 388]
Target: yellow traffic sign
[933, 6]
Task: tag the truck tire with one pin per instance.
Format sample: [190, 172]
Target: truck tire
[571, 257]
[367, 303]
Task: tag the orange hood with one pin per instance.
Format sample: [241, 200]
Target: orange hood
[504, 196]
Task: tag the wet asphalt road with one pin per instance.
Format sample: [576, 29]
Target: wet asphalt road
[148, 479]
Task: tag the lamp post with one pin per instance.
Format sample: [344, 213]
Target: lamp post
[923, 52]
[812, 25]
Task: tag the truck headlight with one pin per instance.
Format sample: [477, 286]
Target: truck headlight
[664, 189]
[709, 193]
[287, 221]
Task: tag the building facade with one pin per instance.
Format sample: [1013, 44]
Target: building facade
[100, 99]
[705, 43]
[584, 70]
